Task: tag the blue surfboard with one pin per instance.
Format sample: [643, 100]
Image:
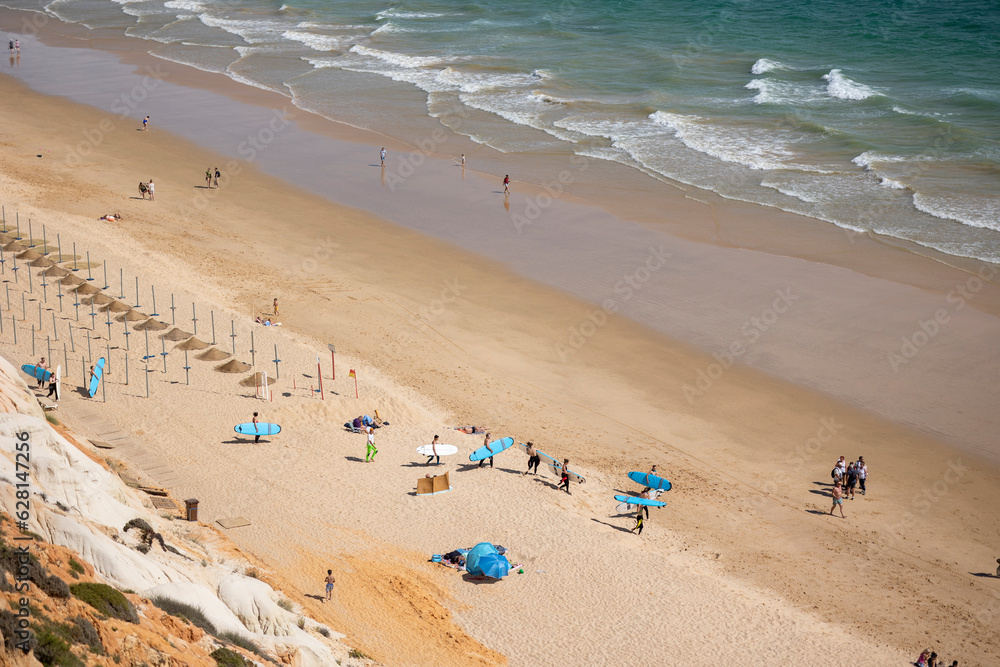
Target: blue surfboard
[37, 372]
[260, 428]
[652, 481]
[495, 447]
[633, 500]
[95, 381]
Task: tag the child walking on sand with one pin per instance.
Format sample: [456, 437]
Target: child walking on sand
[638, 523]
[371, 452]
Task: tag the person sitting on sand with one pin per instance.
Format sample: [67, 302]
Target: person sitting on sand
[924, 656]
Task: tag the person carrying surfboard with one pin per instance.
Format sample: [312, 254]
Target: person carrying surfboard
[430, 458]
[533, 458]
[253, 421]
[43, 366]
[564, 476]
[486, 443]
[53, 385]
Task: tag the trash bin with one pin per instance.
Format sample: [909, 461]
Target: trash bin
[191, 509]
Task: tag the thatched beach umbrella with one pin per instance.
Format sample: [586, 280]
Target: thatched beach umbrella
[28, 255]
[71, 280]
[56, 272]
[42, 262]
[233, 366]
[255, 380]
[176, 334]
[14, 246]
[132, 316]
[117, 307]
[151, 325]
[192, 344]
[213, 354]
[86, 289]
[98, 299]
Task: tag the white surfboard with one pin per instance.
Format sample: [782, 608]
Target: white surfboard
[58, 383]
[442, 450]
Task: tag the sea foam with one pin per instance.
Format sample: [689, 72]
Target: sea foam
[764, 65]
[844, 88]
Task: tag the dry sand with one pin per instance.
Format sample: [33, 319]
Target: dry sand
[742, 562]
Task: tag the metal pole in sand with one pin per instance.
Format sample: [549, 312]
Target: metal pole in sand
[3, 266]
[253, 352]
[164, 353]
[106, 285]
[32, 340]
[90, 273]
[147, 381]
[126, 369]
[8, 295]
[65, 358]
[48, 346]
[13, 324]
[1, 322]
[146, 359]
[60, 295]
[104, 391]
[107, 359]
[15, 268]
[109, 325]
[319, 374]
[187, 369]
[45, 291]
[127, 332]
[17, 216]
[173, 309]
[31, 283]
[93, 316]
[137, 291]
[55, 329]
[194, 319]
[83, 367]
[121, 281]
[277, 375]
[90, 355]
[71, 341]
[31, 243]
[212, 313]
[4, 215]
[233, 335]
[45, 241]
[77, 304]
[75, 267]
[59, 245]
[24, 307]
[40, 327]
[152, 289]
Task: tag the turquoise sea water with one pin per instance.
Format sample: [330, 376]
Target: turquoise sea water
[883, 116]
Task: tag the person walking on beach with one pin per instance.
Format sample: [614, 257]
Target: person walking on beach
[463, 160]
[53, 384]
[145, 123]
[150, 188]
[564, 478]
[256, 437]
[852, 480]
[371, 452]
[638, 523]
[434, 444]
[42, 365]
[838, 499]
[275, 306]
[862, 470]
[330, 581]
[533, 458]
[11, 47]
[381, 154]
[217, 175]
[17, 45]
[506, 184]
[486, 443]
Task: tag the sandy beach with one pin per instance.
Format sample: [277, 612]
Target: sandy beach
[742, 369]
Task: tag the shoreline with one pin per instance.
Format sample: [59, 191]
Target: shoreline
[490, 355]
[580, 248]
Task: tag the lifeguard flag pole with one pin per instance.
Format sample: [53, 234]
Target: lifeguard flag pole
[352, 374]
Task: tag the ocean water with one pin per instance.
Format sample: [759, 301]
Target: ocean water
[881, 117]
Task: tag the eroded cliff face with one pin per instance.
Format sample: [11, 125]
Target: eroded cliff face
[94, 575]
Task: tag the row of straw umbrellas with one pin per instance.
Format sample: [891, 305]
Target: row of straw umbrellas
[49, 259]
